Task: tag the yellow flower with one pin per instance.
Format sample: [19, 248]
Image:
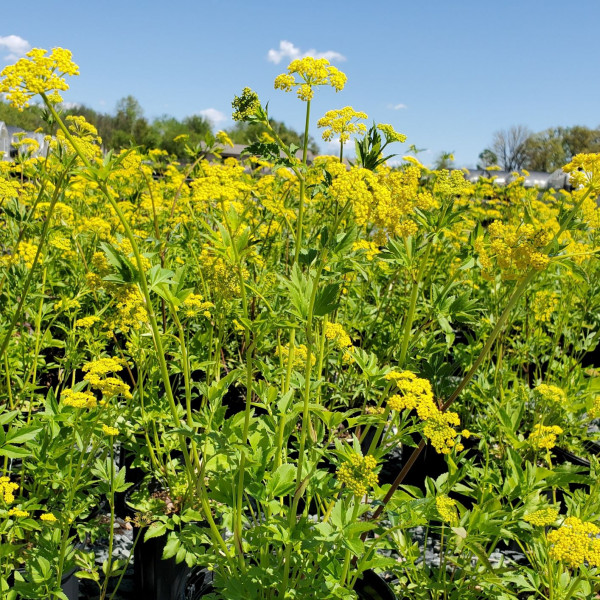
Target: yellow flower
[336, 333]
[391, 135]
[37, 74]
[78, 399]
[544, 437]
[584, 170]
[7, 489]
[542, 517]
[223, 139]
[358, 474]
[446, 508]
[107, 430]
[87, 322]
[552, 393]
[17, 512]
[311, 72]
[343, 122]
[576, 542]
[246, 105]
[48, 517]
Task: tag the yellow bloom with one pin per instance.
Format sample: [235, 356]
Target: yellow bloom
[336, 333]
[358, 474]
[311, 72]
[391, 135]
[37, 74]
[78, 399]
[544, 437]
[112, 431]
[576, 542]
[542, 517]
[17, 512]
[7, 489]
[446, 508]
[552, 393]
[48, 517]
[343, 122]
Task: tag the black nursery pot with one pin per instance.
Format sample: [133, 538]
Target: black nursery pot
[155, 578]
[371, 586]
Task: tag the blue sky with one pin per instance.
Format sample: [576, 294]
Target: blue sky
[447, 74]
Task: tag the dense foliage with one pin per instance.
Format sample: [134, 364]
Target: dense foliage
[258, 340]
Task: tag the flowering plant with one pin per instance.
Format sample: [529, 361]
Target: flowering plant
[272, 348]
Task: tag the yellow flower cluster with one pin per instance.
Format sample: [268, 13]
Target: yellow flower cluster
[594, 412]
[87, 322]
[195, 304]
[543, 437]
[386, 199]
[343, 122]
[36, 74]
[544, 305]
[48, 518]
[7, 489]
[78, 399]
[416, 394]
[371, 248]
[96, 375]
[17, 512]
[246, 105]
[26, 252]
[312, 72]
[452, 184]
[576, 542]
[446, 508]
[515, 249]
[552, 393]
[358, 475]
[542, 517]
[584, 171]
[300, 355]
[111, 431]
[337, 334]
[391, 135]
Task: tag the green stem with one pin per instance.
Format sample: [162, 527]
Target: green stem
[300, 224]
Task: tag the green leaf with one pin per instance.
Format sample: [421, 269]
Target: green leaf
[14, 451]
[156, 529]
[326, 300]
[24, 434]
[282, 481]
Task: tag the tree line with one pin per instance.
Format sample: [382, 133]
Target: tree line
[128, 126]
[518, 148]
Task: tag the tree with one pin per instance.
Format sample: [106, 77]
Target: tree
[487, 159]
[509, 145]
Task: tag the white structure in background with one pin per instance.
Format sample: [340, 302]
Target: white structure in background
[8, 136]
[5, 142]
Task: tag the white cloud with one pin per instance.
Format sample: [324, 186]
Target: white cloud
[291, 52]
[15, 45]
[69, 105]
[397, 106]
[213, 115]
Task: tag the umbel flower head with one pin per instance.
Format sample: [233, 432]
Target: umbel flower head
[37, 74]
[311, 72]
[343, 122]
[358, 474]
[246, 106]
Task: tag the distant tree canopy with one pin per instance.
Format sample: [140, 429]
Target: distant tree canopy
[247, 133]
[128, 126]
[29, 119]
[519, 148]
